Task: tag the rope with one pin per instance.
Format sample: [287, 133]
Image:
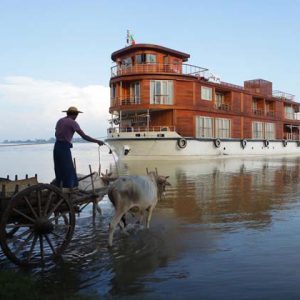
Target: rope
[99, 161]
[115, 161]
[99, 165]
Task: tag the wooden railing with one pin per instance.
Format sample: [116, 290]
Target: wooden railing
[125, 101]
[223, 106]
[258, 112]
[158, 99]
[292, 116]
[141, 129]
[279, 94]
[292, 136]
[230, 85]
[261, 112]
[270, 113]
[129, 101]
[184, 69]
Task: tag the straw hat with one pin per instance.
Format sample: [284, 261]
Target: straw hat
[72, 110]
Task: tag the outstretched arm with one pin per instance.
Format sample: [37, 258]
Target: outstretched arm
[89, 138]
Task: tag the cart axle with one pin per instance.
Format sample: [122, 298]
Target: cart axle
[43, 226]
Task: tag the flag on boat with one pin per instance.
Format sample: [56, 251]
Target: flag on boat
[130, 39]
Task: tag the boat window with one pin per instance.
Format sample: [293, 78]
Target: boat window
[219, 99]
[204, 127]
[289, 112]
[257, 130]
[269, 131]
[262, 130]
[135, 92]
[207, 127]
[113, 95]
[176, 67]
[161, 92]
[222, 128]
[150, 58]
[145, 58]
[127, 62]
[254, 104]
[206, 93]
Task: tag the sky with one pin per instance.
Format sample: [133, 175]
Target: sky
[55, 54]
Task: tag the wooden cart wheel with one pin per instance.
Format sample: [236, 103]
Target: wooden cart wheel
[37, 224]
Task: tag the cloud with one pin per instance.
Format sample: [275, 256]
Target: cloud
[30, 107]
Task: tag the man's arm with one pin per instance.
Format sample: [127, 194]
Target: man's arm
[88, 138]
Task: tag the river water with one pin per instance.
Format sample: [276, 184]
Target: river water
[226, 229]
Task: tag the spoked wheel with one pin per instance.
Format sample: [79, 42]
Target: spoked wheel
[37, 224]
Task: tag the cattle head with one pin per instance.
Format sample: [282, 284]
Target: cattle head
[160, 180]
[106, 178]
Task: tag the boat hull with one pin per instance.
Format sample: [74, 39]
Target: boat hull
[191, 148]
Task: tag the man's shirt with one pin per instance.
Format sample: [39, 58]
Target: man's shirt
[65, 129]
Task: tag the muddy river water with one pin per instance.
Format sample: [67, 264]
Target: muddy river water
[226, 229]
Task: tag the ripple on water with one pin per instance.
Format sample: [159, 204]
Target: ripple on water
[223, 228]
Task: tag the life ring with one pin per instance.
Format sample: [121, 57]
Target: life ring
[266, 143]
[284, 143]
[181, 143]
[243, 143]
[217, 143]
[116, 121]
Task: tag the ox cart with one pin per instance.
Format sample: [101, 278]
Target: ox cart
[37, 220]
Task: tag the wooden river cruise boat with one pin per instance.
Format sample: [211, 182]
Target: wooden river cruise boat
[163, 108]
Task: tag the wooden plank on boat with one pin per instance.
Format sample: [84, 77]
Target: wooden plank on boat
[9, 188]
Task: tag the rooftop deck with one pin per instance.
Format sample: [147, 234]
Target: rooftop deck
[183, 69]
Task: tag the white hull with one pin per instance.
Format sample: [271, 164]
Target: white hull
[126, 146]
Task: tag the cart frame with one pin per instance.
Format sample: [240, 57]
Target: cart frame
[37, 220]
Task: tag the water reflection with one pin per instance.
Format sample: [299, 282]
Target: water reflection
[228, 191]
[221, 231]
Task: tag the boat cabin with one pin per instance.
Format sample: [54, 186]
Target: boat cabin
[154, 88]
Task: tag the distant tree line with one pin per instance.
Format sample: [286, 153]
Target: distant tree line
[40, 141]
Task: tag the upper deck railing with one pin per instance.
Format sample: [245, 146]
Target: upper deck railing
[230, 85]
[279, 94]
[184, 69]
[138, 129]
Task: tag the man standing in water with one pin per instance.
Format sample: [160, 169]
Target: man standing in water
[65, 174]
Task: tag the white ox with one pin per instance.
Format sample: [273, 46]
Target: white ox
[129, 192]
